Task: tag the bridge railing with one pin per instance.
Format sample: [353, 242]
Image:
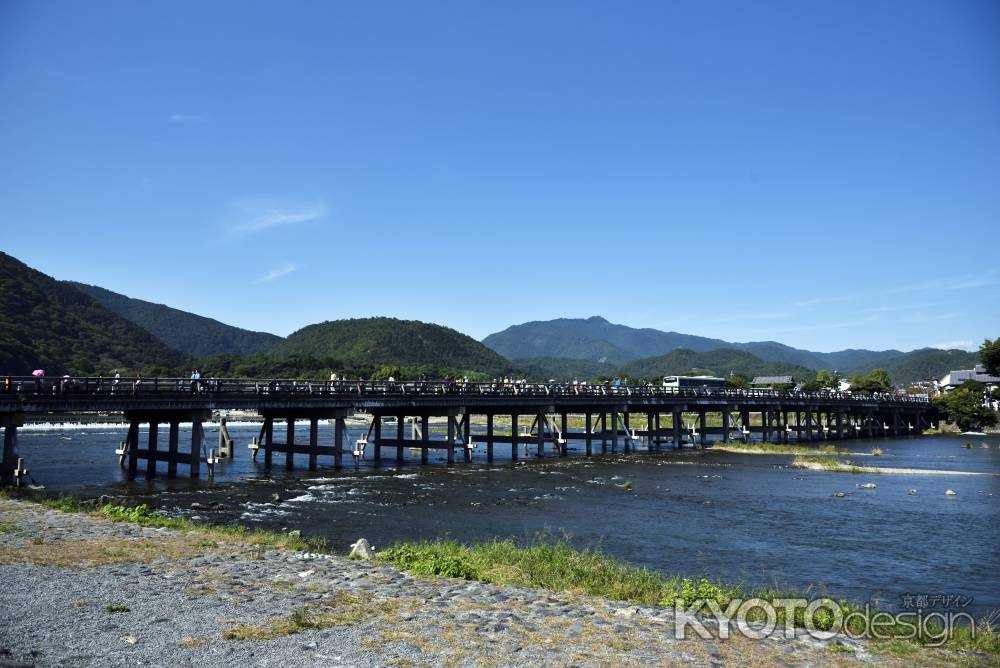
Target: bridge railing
[121, 387]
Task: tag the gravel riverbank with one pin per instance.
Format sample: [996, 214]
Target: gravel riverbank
[81, 590]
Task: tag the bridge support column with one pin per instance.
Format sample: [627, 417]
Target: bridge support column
[377, 445]
[725, 425]
[132, 446]
[268, 441]
[513, 437]
[10, 471]
[467, 437]
[225, 442]
[313, 443]
[614, 431]
[290, 442]
[451, 438]
[172, 442]
[589, 434]
[809, 424]
[151, 459]
[604, 432]
[701, 426]
[400, 426]
[425, 436]
[339, 433]
[627, 423]
[656, 422]
[197, 434]
[765, 426]
[541, 435]
[563, 446]
[489, 437]
[676, 418]
[840, 425]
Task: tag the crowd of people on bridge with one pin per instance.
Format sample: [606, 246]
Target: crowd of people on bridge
[339, 385]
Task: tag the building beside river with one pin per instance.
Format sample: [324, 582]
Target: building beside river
[954, 379]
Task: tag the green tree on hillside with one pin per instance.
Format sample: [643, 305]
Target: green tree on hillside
[876, 381]
[737, 381]
[964, 407]
[989, 356]
[824, 380]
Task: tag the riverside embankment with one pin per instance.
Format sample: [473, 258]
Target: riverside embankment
[81, 589]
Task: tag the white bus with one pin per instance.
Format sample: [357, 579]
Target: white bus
[694, 382]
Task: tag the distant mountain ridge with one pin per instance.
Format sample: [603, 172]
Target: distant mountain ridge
[63, 326]
[923, 364]
[719, 362]
[598, 340]
[193, 334]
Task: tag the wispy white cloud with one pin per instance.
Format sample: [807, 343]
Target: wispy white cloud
[897, 308]
[966, 282]
[961, 344]
[257, 216]
[747, 317]
[275, 274]
[822, 326]
[189, 118]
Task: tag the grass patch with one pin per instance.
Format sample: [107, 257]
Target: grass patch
[188, 641]
[776, 449]
[346, 609]
[7, 527]
[557, 566]
[147, 517]
[99, 552]
[117, 608]
[143, 516]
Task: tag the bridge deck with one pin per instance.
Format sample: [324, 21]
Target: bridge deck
[30, 395]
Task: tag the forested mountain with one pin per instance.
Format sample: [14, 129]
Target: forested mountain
[598, 340]
[720, 362]
[193, 334]
[47, 324]
[563, 370]
[388, 341]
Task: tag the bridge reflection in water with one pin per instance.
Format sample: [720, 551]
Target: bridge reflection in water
[545, 410]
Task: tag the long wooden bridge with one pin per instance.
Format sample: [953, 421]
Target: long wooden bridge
[671, 416]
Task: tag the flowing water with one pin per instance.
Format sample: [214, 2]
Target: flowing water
[740, 518]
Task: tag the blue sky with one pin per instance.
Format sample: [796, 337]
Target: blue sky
[825, 174]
